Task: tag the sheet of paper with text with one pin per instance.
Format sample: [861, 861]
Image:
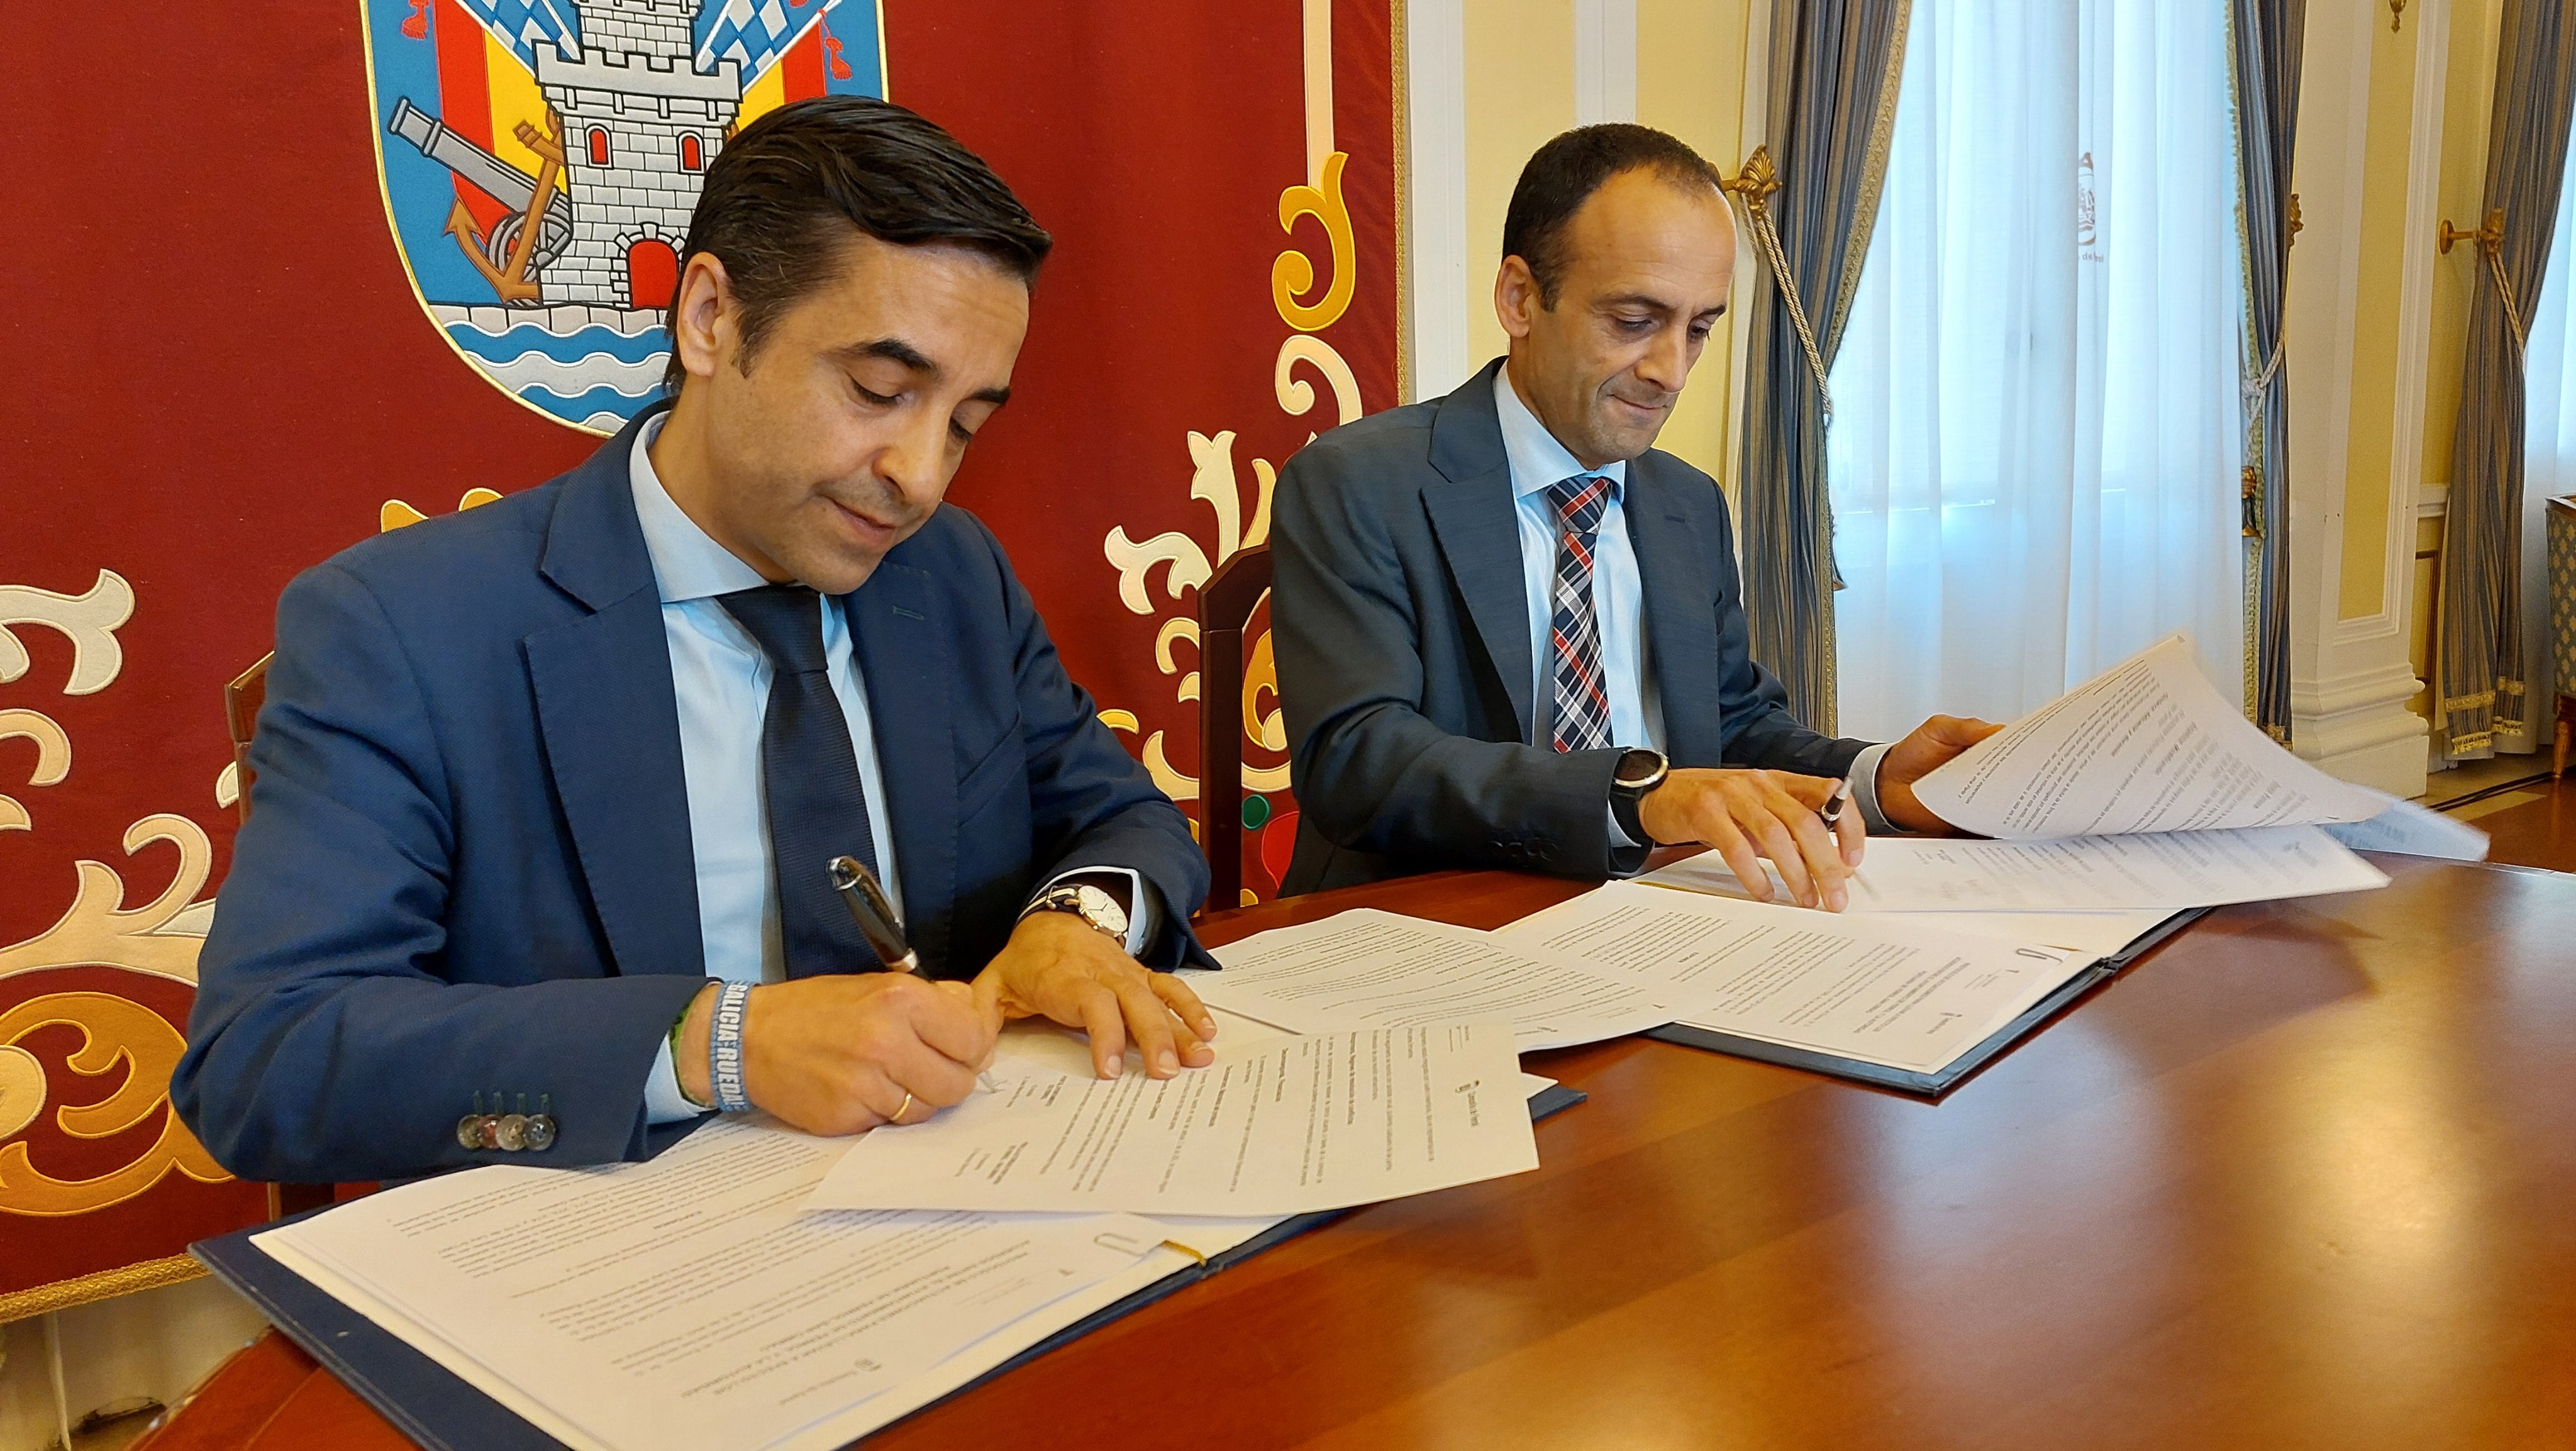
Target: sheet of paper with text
[1900, 998]
[1371, 969]
[1326, 1121]
[2146, 746]
[688, 1302]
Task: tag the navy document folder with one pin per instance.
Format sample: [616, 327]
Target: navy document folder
[1951, 1074]
[432, 1406]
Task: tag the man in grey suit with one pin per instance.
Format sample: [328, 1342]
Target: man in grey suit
[1510, 632]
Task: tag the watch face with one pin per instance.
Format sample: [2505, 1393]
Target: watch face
[1639, 768]
[1102, 910]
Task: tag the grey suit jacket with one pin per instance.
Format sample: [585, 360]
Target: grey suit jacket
[1401, 627]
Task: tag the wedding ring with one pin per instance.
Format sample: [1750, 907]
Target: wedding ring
[899, 1113]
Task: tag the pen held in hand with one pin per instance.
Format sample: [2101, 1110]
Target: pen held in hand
[874, 913]
[1833, 812]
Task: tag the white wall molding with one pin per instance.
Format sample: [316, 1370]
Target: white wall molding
[2414, 335]
[2350, 679]
[1435, 198]
[1754, 126]
[1605, 61]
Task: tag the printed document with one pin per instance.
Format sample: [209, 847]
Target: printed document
[1368, 969]
[1900, 998]
[2077, 877]
[2147, 746]
[2410, 829]
[687, 1302]
[2086, 934]
[1325, 1121]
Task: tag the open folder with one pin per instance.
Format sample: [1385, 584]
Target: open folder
[446, 1411]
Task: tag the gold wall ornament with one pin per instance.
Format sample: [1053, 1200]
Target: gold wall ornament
[2488, 237]
[90, 621]
[53, 759]
[114, 1033]
[1292, 272]
[398, 515]
[1755, 182]
[2396, 12]
[96, 929]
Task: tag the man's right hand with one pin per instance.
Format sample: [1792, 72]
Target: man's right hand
[837, 1054]
[1749, 815]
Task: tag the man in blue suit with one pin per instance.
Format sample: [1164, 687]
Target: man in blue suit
[546, 791]
[1510, 631]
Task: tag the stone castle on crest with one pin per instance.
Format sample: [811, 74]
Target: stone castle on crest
[641, 123]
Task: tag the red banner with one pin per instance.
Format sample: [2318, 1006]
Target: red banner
[228, 374]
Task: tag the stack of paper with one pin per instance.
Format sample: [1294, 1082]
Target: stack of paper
[717, 1296]
[1628, 957]
[2142, 791]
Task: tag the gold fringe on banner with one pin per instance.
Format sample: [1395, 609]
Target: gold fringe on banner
[104, 1285]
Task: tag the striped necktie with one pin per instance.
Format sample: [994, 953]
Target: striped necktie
[1581, 694]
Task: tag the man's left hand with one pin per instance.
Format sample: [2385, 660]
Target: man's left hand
[1060, 967]
[1911, 759]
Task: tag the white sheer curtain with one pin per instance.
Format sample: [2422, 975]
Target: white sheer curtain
[2548, 469]
[2036, 443]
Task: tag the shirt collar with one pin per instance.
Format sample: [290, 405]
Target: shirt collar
[687, 563]
[1538, 461]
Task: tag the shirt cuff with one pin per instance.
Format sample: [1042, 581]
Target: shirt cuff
[1864, 785]
[1144, 904]
[1618, 839]
[664, 1103]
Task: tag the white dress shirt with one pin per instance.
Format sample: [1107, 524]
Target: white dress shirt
[1538, 462]
[720, 677]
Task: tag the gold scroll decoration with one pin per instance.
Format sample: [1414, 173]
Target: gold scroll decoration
[114, 1032]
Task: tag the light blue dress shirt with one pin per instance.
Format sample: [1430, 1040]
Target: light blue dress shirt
[1538, 462]
[720, 677]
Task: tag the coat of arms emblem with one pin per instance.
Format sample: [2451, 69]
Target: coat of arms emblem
[541, 157]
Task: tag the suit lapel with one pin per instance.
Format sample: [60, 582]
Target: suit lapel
[895, 626]
[611, 723]
[1681, 626]
[1478, 530]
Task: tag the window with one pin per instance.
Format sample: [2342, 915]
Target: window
[2037, 440]
[2548, 466]
[693, 155]
[599, 146]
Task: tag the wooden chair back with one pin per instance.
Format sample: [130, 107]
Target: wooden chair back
[1226, 606]
[243, 697]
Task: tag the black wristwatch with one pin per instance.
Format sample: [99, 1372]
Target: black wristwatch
[1638, 772]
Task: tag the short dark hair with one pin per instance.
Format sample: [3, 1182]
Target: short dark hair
[1568, 170]
[781, 191]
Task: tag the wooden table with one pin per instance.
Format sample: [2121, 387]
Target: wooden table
[2303, 1177]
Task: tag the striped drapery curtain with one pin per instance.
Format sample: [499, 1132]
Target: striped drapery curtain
[2264, 69]
[1834, 71]
[2481, 665]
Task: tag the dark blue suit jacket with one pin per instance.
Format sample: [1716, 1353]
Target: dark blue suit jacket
[1401, 624]
[468, 867]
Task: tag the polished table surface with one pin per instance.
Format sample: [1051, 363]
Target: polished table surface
[2305, 1176]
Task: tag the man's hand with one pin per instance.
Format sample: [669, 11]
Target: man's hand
[1060, 967]
[837, 1054]
[1748, 815]
[1911, 759]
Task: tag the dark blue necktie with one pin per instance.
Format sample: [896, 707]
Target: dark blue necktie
[809, 774]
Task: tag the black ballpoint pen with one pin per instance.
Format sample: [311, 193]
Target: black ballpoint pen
[873, 912]
[1833, 812]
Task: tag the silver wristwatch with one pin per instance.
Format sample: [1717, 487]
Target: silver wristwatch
[1087, 902]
